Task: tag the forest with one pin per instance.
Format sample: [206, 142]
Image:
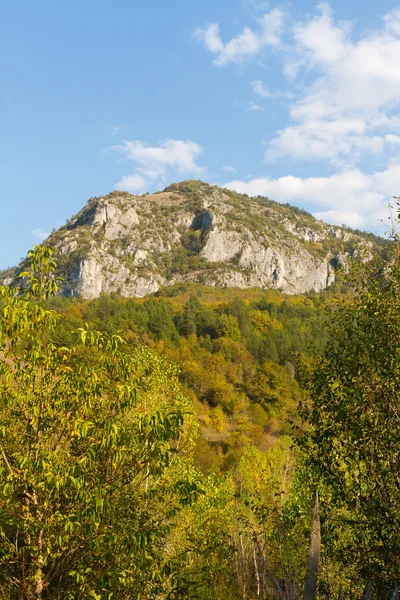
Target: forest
[206, 443]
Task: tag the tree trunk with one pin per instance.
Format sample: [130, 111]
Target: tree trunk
[256, 572]
[367, 591]
[310, 583]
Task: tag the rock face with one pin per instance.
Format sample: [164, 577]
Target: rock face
[133, 245]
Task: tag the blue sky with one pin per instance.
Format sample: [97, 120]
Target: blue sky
[299, 102]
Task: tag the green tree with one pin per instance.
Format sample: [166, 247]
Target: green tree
[277, 392]
[228, 326]
[268, 531]
[160, 320]
[203, 531]
[188, 320]
[90, 474]
[351, 450]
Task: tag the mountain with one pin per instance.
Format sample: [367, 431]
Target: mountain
[192, 231]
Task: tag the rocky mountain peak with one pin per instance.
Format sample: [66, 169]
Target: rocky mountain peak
[192, 231]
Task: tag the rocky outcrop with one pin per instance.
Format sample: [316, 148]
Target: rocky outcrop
[133, 245]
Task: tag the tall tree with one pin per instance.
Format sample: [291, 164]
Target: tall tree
[352, 445]
[90, 474]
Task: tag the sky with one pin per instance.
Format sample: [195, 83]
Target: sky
[295, 101]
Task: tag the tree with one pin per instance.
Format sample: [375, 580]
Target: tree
[351, 450]
[90, 474]
[228, 326]
[266, 533]
[277, 392]
[190, 311]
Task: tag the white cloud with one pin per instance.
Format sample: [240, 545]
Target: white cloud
[348, 107]
[246, 44]
[392, 139]
[154, 163]
[255, 4]
[210, 37]
[253, 106]
[345, 95]
[131, 183]
[260, 89]
[392, 21]
[351, 196]
[116, 130]
[325, 139]
[40, 234]
[156, 160]
[229, 169]
[383, 121]
[324, 42]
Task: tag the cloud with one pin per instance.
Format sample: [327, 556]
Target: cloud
[40, 234]
[253, 106]
[246, 44]
[316, 139]
[325, 42]
[156, 160]
[392, 139]
[260, 89]
[116, 130]
[229, 169]
[255, 4]
[351, 90]
[131, 183]
[351, 196]
[345, 87]
[154, 163]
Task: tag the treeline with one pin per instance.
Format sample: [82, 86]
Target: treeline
[238, 354]
[125, 476]
[100, 496]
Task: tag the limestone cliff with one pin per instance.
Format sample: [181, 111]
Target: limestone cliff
[133, 245]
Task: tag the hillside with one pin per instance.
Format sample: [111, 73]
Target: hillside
[235, 463]
[237, 351]
[192, 231]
